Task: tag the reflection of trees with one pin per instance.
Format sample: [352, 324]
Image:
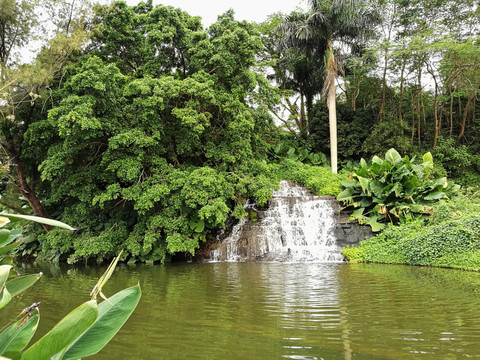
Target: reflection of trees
[260, 310]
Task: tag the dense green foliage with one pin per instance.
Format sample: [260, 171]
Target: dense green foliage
[147, 132]
[154, 151]
[392, 189]
[451, 238]
[199, 201]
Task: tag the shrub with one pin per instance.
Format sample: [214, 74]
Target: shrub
[392, 190]
[458, 161]
[454, 243]
[318, 179]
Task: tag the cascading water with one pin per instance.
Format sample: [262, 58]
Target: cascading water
[297, 227]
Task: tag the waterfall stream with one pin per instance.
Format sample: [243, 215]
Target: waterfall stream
[297, 227]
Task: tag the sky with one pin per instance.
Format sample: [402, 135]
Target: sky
[251, 10]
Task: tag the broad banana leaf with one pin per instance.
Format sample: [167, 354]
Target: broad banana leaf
[17, 336]
[113, 313]
[64, 333]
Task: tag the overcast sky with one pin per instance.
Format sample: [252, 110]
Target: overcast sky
[252, 10]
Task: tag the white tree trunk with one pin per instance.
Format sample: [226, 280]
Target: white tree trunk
[332, 120]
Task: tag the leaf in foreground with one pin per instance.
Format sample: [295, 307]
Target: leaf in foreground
[64, 333]
[17, 336]
[112, 315]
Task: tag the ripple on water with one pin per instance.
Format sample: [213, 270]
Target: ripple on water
[271, 311]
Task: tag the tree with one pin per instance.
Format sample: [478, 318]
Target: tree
[26, 87]
[155, 138]
[460, 70]
[327, 23]
[297, 74]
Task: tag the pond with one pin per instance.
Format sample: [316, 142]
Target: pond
[277, 310]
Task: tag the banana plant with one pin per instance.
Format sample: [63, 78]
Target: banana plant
[392, 190]
[81, 333]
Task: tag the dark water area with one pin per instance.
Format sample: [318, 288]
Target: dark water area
[274, 311]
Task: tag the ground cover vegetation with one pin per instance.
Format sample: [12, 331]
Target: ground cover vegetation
[451, 238]
[147, 131]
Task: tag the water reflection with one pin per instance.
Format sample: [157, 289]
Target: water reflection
[272, 311]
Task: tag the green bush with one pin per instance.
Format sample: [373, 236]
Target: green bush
[454, 243]
[451, 238]
[318, 179]
[392, 190]
[386, 135]
[459, 162]
[353, 129]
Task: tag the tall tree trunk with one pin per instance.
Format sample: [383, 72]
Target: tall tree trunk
[303, 120]
[332, 120]
[451, 110]
[309, 108]
[440, 118]
[27, 192]
[331, 104]
[420, 107]
[436, 118]
[400, 96]
[465, 115]
[385, 66]
[436, 122]
[384, 85]
[413, 119]
[419, 130]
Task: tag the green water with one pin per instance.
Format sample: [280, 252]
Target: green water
[274, 311]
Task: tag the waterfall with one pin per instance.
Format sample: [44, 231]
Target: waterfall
[297, 227]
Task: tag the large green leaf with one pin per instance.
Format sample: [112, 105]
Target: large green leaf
[374, 224]
[376, 168]
[397, 189]
[376, 160]
[6, 260]
[346, 195]
[4, 273]
[358, 215]
[39, 220]
[4, 221]
[17, 336]
[363, 183]
[20, 283]
[366, 202]
[349, 184]
[5, 237]
[363, 169]
[5, 297]
[377, 188]
[440, 182]
[6, 249]
[393, 157]
[112, 315]
[428, 161]
[64, 333]
[435, 195]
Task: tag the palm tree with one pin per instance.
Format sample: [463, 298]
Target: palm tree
[328, 23]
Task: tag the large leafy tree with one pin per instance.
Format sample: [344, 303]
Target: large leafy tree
[155, 133]
[25, 87]
[327, 24]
